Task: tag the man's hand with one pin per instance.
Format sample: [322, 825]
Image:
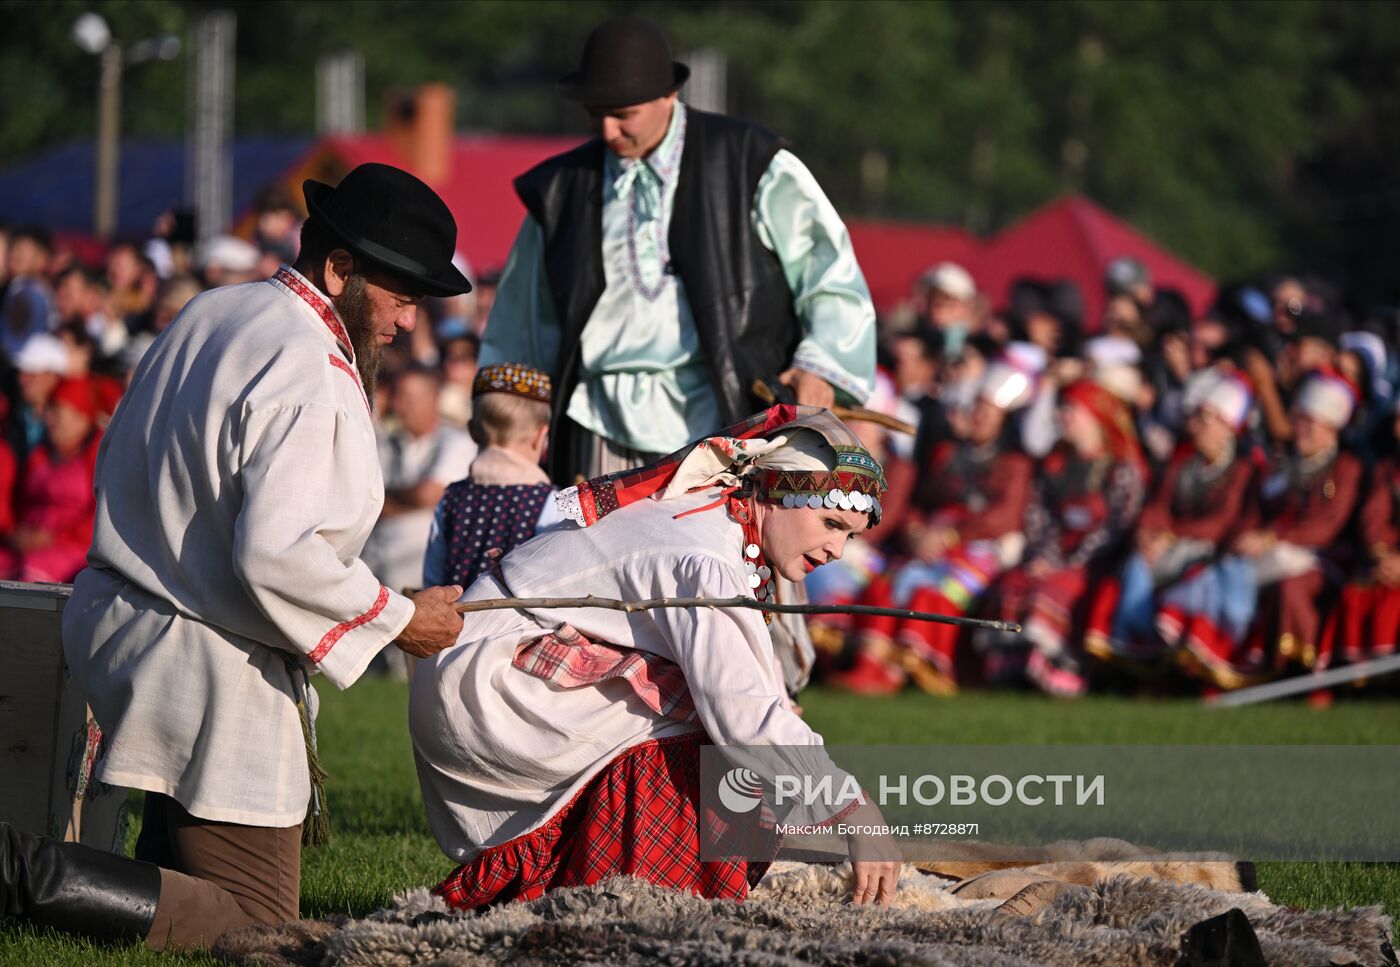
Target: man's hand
[875, 858]
[435, 623]
[809, 388]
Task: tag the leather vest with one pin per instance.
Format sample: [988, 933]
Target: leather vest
[736, 287]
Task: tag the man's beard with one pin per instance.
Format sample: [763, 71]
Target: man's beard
[353, 306]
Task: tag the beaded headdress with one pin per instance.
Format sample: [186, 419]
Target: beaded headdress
[791, 455]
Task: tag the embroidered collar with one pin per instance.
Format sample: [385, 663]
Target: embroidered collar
[299, 286]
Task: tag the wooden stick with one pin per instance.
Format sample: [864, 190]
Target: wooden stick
[765, 393]
[613, 604]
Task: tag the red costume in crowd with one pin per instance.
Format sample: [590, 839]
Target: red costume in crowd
[1368, 617]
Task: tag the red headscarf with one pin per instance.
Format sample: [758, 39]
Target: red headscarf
[79, 394]
[1112, 414]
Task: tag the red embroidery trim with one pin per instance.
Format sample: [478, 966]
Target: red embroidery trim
[349, 370]
[345, 627]
[317, 302]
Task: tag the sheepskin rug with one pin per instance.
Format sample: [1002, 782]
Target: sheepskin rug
[799, 915]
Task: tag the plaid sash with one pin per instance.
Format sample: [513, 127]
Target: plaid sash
[567, 659]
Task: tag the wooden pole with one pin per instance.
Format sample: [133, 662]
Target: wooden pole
[539, 604]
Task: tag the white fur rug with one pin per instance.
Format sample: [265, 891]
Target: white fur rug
[799, 915]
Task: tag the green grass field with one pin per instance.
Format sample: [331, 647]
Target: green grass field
[381, 843]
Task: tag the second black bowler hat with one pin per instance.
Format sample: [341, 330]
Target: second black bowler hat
[626, 60]
[386, 216]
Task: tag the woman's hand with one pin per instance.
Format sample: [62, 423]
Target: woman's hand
[875, 858]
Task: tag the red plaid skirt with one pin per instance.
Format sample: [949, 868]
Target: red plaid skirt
[640, 816]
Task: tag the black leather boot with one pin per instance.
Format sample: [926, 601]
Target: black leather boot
[76, 889]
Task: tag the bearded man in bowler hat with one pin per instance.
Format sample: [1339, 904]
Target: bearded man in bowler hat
[669, 262]
[236, 485]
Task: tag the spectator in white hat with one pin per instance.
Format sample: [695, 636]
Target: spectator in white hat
[43, 360]
[227, 260]
[952, 304]
[1173, 587]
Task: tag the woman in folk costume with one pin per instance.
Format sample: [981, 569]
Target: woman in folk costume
[55, 505]
[965, 530]
[560, 747]
[1368, 619]
[1291, 542]
[1085, 504]
[1175, 582]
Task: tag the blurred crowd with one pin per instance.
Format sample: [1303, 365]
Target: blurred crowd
[1194, 497]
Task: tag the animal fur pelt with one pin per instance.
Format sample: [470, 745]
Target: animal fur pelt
[799, 915]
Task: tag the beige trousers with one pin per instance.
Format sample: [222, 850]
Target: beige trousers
[216, 876]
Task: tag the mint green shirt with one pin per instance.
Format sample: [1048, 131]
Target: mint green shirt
[642, 378]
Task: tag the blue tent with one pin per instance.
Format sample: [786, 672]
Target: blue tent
[56, 188]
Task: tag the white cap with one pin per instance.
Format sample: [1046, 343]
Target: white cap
[950, 279]
[229, 253]
[1327, 398]
[1107, 351]
[1228, 397]
[42, 353]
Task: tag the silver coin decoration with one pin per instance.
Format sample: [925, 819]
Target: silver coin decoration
[765, 572]
[814, 502]
[788, 500]
[845, 502]
[755, 580]
[750, 551]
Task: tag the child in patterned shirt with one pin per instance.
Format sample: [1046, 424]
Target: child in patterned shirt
[506, 498]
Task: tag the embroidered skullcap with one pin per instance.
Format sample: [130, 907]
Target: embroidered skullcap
[1327, 397]
[515, 378]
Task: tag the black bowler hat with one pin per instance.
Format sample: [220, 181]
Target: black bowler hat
[392, 219]
[626, 60]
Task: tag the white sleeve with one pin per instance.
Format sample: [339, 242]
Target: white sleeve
[727, 658]
[303, 486]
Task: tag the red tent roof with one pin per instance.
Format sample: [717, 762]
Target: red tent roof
[1076, 239]
[894, 255]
